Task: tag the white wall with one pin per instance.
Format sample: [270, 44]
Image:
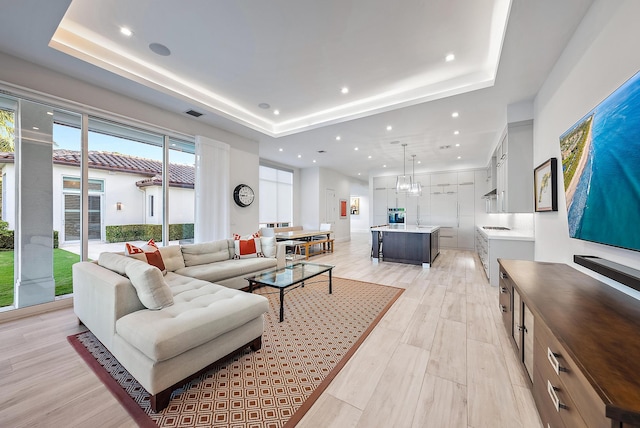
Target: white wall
[602, 54]
[359, 223]
[244, 169]
[309, 198]
[313, 185]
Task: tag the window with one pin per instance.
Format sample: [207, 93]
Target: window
[71, 207]
[276, 196]
[127, 161]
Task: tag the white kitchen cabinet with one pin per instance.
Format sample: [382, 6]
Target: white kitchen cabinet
[466, 198]
[492, 247]
[514, 168]
[448, 200]
[466, 229]
[444, 179]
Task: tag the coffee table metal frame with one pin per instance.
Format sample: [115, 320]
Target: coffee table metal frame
[289, 278]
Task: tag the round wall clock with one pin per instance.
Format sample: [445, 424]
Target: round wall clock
[243, 195]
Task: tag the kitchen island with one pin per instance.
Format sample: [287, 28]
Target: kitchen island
[416, 245]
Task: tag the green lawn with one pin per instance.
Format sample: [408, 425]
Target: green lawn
[62, 261]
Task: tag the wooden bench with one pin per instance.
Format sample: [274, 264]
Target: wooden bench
[327, 246]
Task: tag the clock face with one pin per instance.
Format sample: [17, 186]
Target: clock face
[243, 195]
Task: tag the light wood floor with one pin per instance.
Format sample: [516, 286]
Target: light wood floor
[439, 358]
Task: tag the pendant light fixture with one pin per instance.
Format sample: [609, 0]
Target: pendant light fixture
[416, 188]
[403, 182]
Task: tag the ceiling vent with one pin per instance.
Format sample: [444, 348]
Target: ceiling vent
[322, 151]
[448, 146]
[193, 113]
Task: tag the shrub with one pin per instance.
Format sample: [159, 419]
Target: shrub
[144, 232]
[6, 236]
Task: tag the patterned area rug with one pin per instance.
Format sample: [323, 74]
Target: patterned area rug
[275, 386]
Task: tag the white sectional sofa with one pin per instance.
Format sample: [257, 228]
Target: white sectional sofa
[167, 329]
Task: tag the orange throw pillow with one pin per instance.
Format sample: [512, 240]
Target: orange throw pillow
[151, 251]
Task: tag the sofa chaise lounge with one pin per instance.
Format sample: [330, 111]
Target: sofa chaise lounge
[167, 329]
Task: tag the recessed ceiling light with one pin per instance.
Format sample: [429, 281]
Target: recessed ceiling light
[455, 114]
[264, 106]
[355, 148]
[458, 145]
[419, 162]
[36, 128]
[314, 161]
[50, 113]
[159, 49]
[338, 138]
[127, 32]
[276, 112]
[449, 57]
[299, 156]
[456, 132]
[459, 157]
[369, 156]
[344, 90]
[359, 174]
[280, 149]
[384, 166]
[389, 127]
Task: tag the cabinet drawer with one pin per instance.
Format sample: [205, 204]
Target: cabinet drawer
[548, 415]
[505, 303]
[585, 398]
[552, 394]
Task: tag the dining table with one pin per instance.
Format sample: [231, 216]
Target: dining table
[302, 235]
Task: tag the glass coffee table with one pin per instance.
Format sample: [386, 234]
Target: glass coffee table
[289, 278]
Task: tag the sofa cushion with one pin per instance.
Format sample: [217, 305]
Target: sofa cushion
[206, 252]
[201, 312]
[152, 290]
[172, 256]
[228, 269]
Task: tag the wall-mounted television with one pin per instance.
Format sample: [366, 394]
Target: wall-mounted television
[601, 170]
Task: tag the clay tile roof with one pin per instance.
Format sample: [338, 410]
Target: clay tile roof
[179, 175]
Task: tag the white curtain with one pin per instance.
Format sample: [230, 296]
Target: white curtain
[212, 190]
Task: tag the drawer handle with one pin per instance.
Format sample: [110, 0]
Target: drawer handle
[554, 397]
[504, 275]
[521, 327]
[553, 359]
[503, 289]
[503, 308]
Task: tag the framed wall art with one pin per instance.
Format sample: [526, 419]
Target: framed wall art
[545, 186]
[343, 208]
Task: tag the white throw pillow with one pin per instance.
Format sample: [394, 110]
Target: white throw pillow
[268, 245]
[153, 291]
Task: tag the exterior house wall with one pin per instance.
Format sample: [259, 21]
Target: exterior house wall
[118, 187]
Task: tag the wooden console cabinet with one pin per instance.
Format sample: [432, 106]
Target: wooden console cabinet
[579, 341]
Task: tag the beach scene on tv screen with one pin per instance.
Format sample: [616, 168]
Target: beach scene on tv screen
[601, 170]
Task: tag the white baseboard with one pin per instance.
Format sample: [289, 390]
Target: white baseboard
[10, 314]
